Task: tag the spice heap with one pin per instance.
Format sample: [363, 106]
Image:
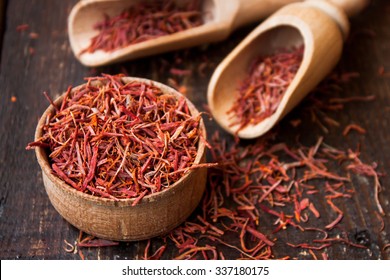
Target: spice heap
[144, 21]
[120, 140]
[261, 91]
[260, 189]
[268, 197]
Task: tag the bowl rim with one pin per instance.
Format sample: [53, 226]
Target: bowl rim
[43, 159]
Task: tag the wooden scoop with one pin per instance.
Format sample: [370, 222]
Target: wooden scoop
[220, 18]
[319, 25]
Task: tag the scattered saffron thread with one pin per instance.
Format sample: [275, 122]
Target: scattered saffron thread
[261, 92]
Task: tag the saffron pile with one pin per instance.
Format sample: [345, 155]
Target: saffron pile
[260, 93]
[272, 196]
[268, 195]
[144, 21]
[120, 140]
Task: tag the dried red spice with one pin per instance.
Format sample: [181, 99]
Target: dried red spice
[22, 27]
[260, 189]
[33, 35]
[144, 21]
[180, 72]
[87, 242]
[355, 127]
[260, 93]
[120, 140]
[31, 51]
[282, 181]
[262, 195]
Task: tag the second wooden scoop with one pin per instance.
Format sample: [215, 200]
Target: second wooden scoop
[220, 18]
[319, 26]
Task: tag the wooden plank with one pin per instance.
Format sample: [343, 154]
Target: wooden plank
[30, 228]
[2, 11]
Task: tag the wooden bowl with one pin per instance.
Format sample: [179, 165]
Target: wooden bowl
[156, 214]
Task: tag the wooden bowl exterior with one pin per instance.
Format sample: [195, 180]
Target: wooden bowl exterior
[156, 214]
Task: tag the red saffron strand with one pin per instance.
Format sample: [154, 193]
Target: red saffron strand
[355, 127]
[260, 93]
[262, 193]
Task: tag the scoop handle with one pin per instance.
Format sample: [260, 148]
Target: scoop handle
[340, 10]
[350, 7]
[254, 10]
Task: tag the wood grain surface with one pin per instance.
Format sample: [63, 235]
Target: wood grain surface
[30, 228]
[2, 9]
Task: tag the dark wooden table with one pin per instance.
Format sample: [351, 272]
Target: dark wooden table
[30, 228]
